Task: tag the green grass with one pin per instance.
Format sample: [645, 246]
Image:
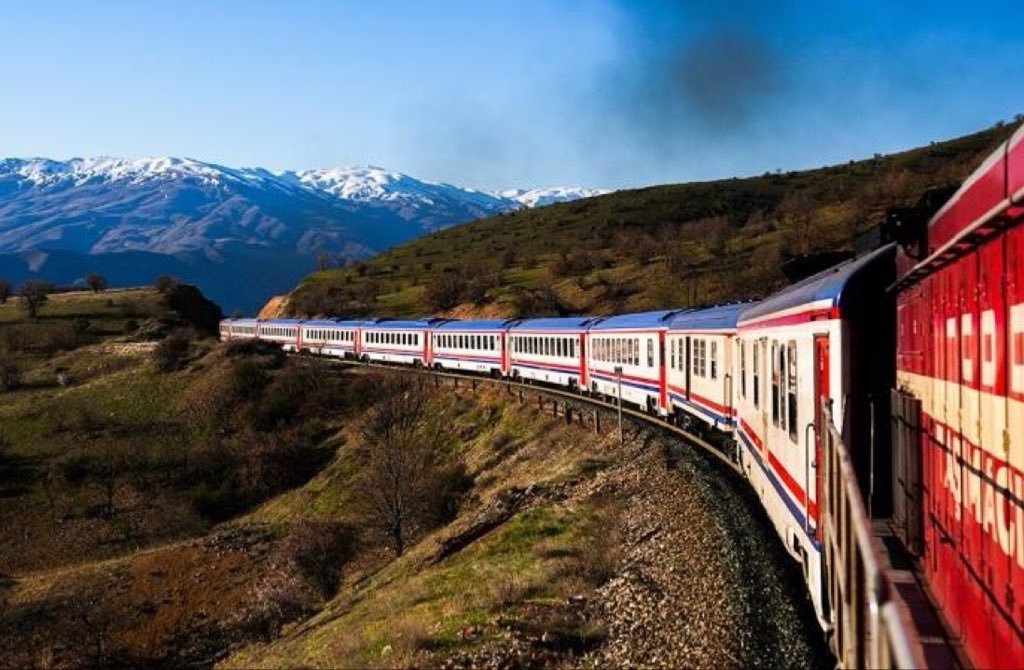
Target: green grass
[411, 606]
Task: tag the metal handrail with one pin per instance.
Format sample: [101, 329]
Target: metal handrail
[869, 630]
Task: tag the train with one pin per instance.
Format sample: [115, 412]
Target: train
[912, 352]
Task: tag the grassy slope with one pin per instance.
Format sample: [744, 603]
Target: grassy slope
[662, 246]
[417, 610]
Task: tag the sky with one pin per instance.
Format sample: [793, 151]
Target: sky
[505, 93]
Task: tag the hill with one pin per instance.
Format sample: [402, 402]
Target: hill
[168, 501]
[664, 246]
[239, 233]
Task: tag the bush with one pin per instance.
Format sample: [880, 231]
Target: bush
[164, 283]
[444, 291]
[172, 351]
[10, 374]
[318, 549]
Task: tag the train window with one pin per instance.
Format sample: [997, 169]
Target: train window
[775, 382]
[756, 374]
[650, 353]
[742, 346]
[714, 359]
[548, 347]
[791, 391]
[672, 353]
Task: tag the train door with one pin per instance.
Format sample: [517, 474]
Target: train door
[663, 402]
[688, 367]
[584, 381]
[822, 394]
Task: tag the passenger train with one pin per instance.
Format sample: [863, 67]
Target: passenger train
[934, 321]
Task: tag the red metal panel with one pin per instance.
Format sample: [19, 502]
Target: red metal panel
[982, 192]
[822, 392]
[992, 317]
[1015, 166]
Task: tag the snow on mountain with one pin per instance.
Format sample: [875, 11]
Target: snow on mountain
[538, 197]
[245, 232]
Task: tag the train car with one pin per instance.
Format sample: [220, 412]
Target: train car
[635, 344]
[397, 341]
[286, 332]
[827, 338]
[238, 329]
[477, 345]
[959, 407]
[329, 337]
[550, 350]
[700, 360]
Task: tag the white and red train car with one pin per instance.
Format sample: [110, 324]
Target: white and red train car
[477, 346]
[397, 340]
[551, 350]
[700, 376]
[960, 314]
[827, 338]
[327, 337]
[635, 345]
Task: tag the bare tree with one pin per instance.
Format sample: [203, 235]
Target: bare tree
[164, 283]
[323, 260]
[404, 481]
[96, 282]
[5, 290]
[34, 294]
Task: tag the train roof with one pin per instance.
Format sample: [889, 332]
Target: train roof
[657, 319]
[282, 322]
[323, 322]
[824, 289]
[401, 324]
[553, 323]
[719, 317]
[473, 324]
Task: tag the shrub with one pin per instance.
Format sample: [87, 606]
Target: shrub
[164, 283]
[172, 351]
[318, 549]
[10, 374]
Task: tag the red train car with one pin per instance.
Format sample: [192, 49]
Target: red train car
[960, 367]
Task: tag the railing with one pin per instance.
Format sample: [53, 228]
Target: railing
[907, 515]
[869, 630]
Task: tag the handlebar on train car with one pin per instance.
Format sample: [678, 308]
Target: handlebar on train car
[869, 629]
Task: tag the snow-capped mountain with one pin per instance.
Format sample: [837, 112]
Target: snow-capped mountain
[538, 197]
[241, 233]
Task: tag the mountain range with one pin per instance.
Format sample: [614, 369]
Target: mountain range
[241, 234]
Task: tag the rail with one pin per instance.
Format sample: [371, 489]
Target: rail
[869, 628]
[727, 458]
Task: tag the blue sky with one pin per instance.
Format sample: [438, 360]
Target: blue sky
[502, 94]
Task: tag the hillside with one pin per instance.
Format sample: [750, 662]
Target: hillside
[168, 501]
[658, 247]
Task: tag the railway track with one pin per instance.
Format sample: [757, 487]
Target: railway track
[598, 403]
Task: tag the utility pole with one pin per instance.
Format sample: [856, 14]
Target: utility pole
[618, 376]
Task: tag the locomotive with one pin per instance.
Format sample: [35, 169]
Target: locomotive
[915, 349]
